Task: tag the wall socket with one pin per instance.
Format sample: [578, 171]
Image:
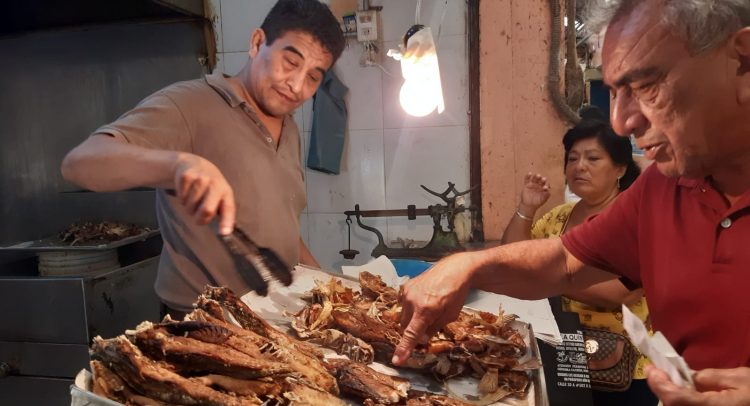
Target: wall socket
[367, 26]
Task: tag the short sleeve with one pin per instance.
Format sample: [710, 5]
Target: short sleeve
[609, 240]
[551, 223]
[157, 122]
[541, 226]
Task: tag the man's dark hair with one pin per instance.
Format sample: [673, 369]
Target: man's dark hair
[594, 124]
[309, 16]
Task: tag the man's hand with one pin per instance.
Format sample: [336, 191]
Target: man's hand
[713, 387]
[204, 192]
[431, 301]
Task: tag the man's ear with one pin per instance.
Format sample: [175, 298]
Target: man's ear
[740, 51]
[257, 40]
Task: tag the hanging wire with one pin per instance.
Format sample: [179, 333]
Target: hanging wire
[419, 7]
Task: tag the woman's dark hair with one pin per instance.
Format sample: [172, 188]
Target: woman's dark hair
[309, 16]
[594, 124]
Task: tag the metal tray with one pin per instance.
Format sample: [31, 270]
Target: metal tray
[54, 244]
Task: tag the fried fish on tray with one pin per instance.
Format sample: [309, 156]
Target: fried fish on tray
[479, 344]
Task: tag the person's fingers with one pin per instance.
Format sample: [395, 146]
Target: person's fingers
[227, 213]
[209, 206]
[195, 195]
[184, 184]
[407, 309]
[667, 391]
[527, 179]
[720, 379]
[429, 333]
[409, 339]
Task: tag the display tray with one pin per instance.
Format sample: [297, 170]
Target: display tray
[54, 243]
[289, 299]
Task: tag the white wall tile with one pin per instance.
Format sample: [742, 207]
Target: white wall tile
[219, 63]
[234, 62]
[328, 236]
[365, 98]
[238, 20]
[454, 74]
[398, 15]
[298, 119]
[361, 179]
[428, 156]
[215, 6]
[305, 145]
[307, 110]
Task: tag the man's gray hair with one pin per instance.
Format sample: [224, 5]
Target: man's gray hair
[704, 24]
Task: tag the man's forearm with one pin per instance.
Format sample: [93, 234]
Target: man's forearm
[105, 164]
[533, 269]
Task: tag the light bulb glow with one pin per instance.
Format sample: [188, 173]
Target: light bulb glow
[418, 97]
[422, 91]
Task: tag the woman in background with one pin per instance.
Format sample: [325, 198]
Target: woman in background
[598, 166]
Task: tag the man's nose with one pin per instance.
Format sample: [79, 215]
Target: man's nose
[296, 83]
[627, 117]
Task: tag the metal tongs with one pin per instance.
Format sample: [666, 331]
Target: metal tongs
[257, 265]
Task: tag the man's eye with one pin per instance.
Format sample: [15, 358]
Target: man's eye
[314, 78]
[647, 91]
[291, 62]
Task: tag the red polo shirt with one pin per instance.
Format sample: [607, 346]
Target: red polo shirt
[690, 250]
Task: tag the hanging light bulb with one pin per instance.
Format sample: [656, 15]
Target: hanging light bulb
[422, 90]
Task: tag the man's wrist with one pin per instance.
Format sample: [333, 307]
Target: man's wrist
[475, 263]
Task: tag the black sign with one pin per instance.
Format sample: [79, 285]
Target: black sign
[566, 373]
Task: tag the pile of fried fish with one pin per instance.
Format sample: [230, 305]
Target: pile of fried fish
[365, 326]
[223, 353]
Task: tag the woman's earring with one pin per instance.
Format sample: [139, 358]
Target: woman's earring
[618, 183]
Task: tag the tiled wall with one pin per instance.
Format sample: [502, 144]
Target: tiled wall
[387, 153]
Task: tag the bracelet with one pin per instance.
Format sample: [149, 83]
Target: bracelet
[522, 216]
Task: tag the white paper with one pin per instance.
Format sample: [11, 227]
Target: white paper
[380, 266]
[282, 299]
[657, 349]
[538, 313]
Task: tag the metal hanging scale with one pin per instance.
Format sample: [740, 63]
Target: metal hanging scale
[349, 253]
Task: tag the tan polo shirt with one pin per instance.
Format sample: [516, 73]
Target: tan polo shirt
[208, 118]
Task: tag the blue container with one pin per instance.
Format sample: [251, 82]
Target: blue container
[410, 267]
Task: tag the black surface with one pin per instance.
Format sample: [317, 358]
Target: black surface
[28, 391]
[29, 15]
[60, 87]
[43, 310]
[568, 323]
[43, 359]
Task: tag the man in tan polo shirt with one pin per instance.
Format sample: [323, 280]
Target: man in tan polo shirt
[229, 148]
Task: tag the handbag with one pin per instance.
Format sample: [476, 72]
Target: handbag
[611, 359]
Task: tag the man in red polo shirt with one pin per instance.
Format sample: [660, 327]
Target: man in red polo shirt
[679, 72]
